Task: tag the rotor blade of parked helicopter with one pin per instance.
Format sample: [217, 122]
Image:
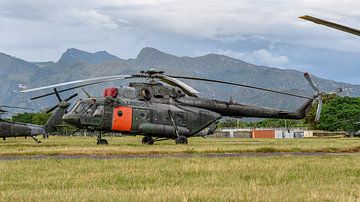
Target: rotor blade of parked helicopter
[242, 85]
[97, 79]
[331, 24]
[7, 106]
[78, 86]
[71, 97]
[52, 109]
[86, 93]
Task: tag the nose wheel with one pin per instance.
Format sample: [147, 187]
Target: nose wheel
[101, 141]
[181, 140]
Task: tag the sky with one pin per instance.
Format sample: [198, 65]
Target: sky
[266, 32]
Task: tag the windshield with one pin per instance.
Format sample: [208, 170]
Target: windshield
[88, 109]
[81, 107]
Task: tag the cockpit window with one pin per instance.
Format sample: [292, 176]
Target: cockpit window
[99, 111]
[89, 110]
[75, 107]
[82, 107]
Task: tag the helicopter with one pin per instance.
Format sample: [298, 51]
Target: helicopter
[18, 129]
[331, 24]
[163, 107]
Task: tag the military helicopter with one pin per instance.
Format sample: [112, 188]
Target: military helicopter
[17, 129]
[163, 107]
[331, 24]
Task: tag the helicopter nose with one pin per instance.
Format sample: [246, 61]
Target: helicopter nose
[72, 119]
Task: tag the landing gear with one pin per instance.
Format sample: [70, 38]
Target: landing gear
[181, 140]
[100, 140]
[36, 140]
[148, 140]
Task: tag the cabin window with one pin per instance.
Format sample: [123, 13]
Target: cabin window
[145, 93]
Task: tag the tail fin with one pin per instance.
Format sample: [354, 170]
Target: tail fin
[304, 109]
[56, 117]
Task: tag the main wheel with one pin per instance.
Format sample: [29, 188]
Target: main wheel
[181, 140]
[102, 141]
[147, 140]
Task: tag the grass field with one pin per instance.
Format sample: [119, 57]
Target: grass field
[132, 145]
[289, 178]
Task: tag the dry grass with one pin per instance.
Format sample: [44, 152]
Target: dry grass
[189, 179]
[291, 178]
[132, 145]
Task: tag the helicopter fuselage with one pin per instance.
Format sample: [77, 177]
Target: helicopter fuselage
[157, 110]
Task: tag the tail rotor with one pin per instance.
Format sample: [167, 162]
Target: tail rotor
[62, 103]
[319, 95]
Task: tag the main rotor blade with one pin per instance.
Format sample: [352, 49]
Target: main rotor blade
[318, 110]
[104, 78]
[57, 95]
[331, 24]
[175, 82]
[71, 97]
[78, 86]
[242, 85]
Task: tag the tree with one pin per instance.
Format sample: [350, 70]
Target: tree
[38, 118]
[341, 113]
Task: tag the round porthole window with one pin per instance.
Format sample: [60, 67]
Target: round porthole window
[145, 93]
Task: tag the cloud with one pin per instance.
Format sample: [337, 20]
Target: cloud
[259, 57]
[260, 32]
[93, 17]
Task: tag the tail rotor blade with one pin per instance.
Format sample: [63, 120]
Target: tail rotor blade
[312, 84]
[318, 110]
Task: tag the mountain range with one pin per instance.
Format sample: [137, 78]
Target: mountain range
[76, 64]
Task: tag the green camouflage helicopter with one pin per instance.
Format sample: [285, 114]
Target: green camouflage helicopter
[17, 129]
[163, 107]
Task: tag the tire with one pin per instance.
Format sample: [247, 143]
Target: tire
[147, 140]
[181, 140]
